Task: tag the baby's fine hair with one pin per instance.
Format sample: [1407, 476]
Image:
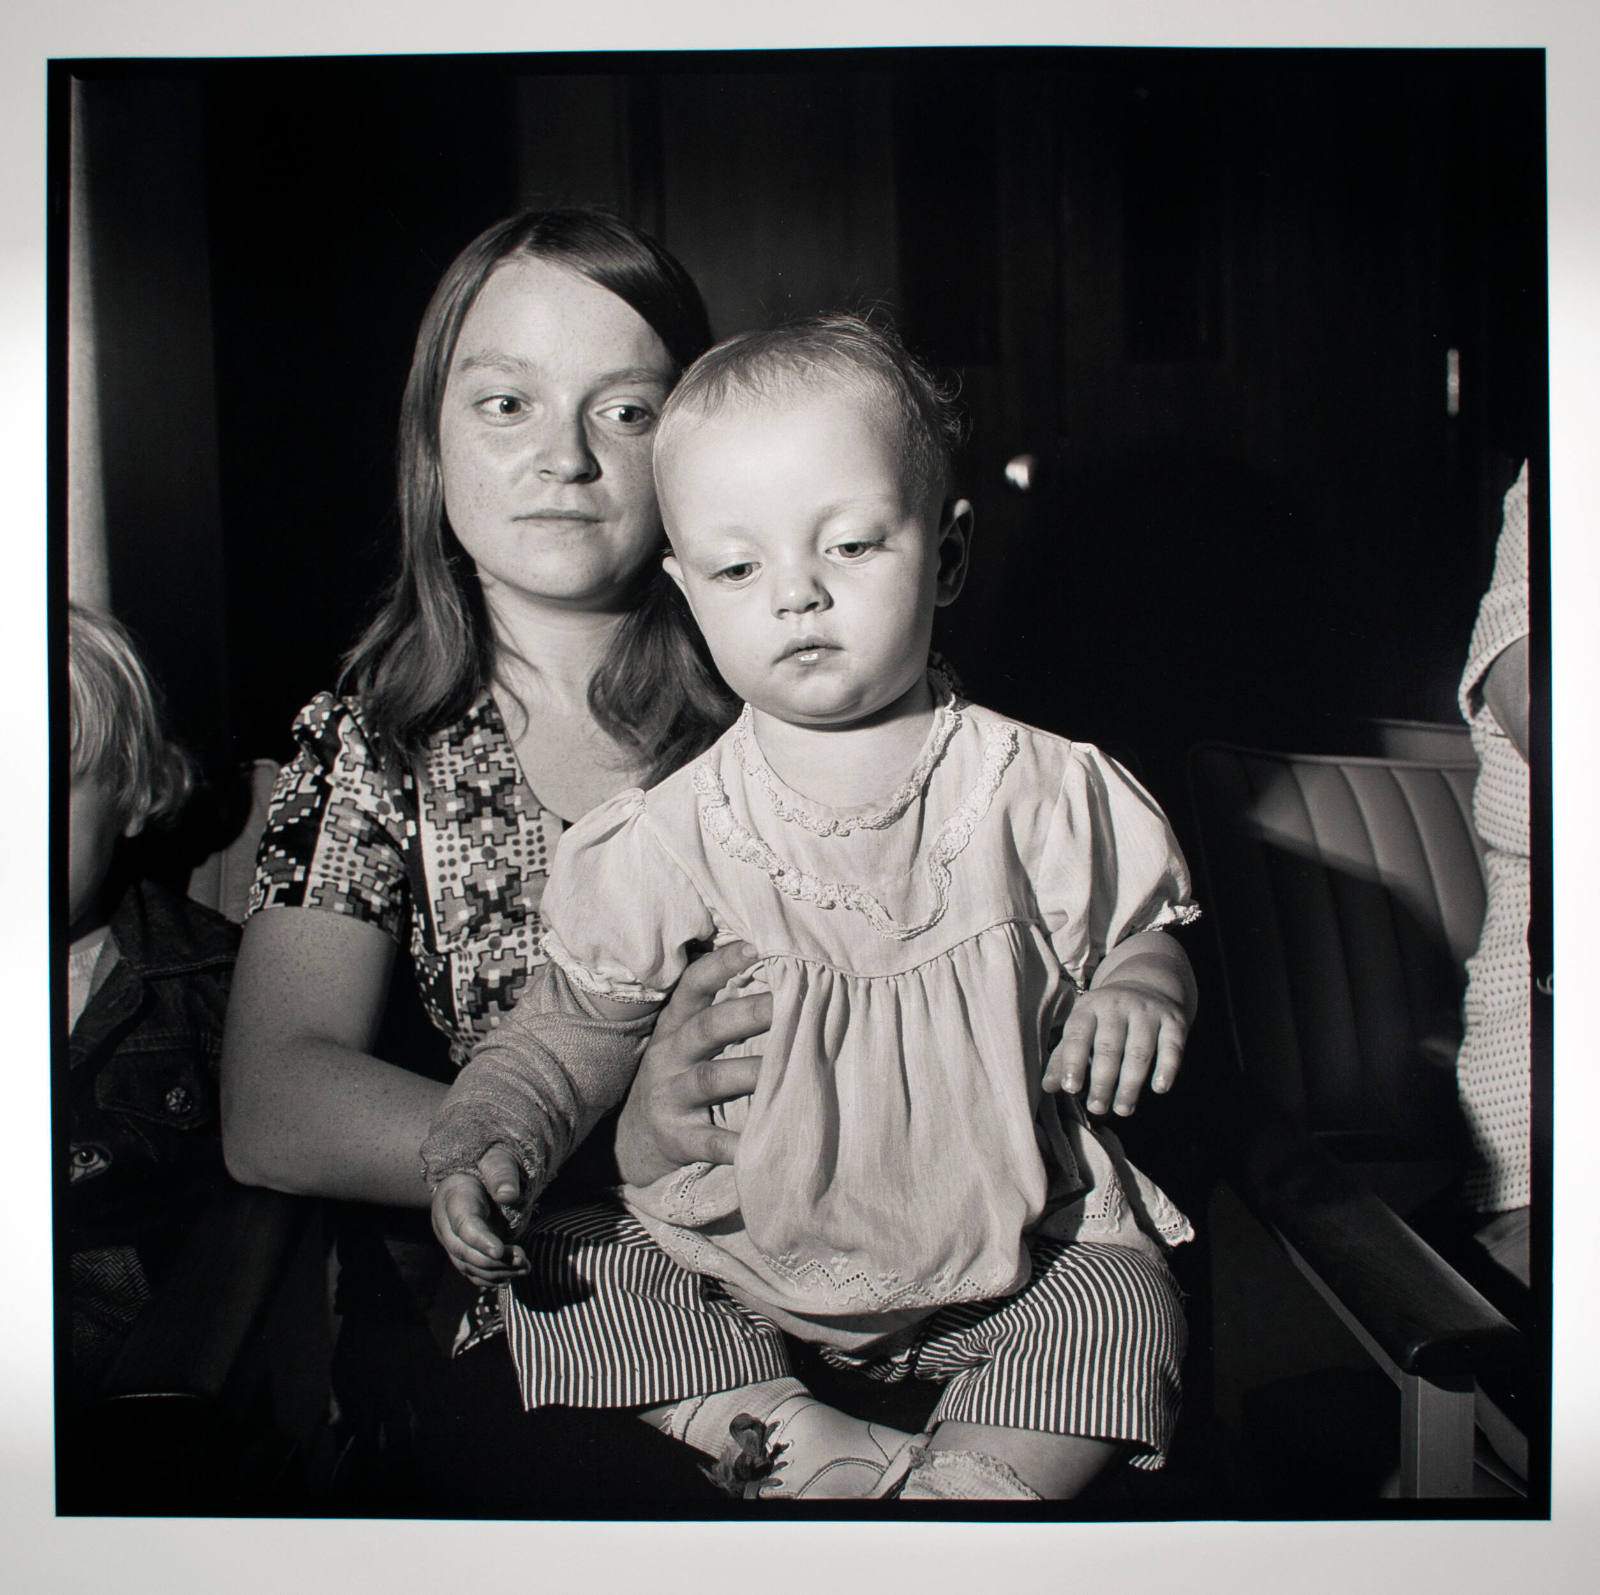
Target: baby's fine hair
[812, 355]
[116, 720]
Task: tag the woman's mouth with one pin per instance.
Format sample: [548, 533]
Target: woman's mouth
[562, 517]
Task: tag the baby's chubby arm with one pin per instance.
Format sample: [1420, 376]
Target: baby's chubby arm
[529, 1094]
[1136, 1014]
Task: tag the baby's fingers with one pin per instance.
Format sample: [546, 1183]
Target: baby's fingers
[500, 1175]
[463, 1221]
[1169, 1057]
[1110, 1040]
[1069, 1063]
[1138, 1055]
[483, 1267]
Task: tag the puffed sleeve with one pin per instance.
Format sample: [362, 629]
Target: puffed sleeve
[1503, 614]
[1112, 867]
[335, 832]
[620, 913]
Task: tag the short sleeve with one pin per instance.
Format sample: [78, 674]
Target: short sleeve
[335, 832]
[620, 913]
[1112, 867]
[1503, 614]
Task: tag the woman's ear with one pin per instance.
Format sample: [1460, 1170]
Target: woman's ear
[669, 563]
[955, 549]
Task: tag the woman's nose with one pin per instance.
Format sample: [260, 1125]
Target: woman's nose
[799, 593]
[562, 452]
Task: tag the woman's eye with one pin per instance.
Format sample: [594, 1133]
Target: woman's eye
[501, 407]
[629, 415]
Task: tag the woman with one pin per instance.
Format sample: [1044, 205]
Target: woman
[529, 660]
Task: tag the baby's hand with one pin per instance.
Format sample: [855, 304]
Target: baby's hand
[1112, 1037]
[467, 1224]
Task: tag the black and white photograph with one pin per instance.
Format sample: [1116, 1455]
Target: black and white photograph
[802, 792]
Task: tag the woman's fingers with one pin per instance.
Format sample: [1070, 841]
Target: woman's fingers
[717, 1080]
[666, 1120]
[705, 1034]
[701, 982]
[706, 1142]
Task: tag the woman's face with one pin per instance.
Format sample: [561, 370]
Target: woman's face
[544, 438]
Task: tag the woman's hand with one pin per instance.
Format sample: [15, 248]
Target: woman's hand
[1135, 1017]
[467, 1225]
[666, 1121]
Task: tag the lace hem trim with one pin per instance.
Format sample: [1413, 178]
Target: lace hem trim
[841, 1284]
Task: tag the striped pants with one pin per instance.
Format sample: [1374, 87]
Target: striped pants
[1090, 1346]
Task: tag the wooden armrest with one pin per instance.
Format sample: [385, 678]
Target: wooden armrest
[216, 1296]
[1390, 1287]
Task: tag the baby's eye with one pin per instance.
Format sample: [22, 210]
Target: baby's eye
[855, 549]
[734, 575]
[501, 407]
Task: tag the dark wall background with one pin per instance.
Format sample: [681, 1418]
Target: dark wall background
[1211, 293]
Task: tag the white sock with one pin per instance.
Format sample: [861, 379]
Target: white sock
[963, 1476]
[702, 1421]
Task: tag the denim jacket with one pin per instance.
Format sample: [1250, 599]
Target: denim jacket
[143, 1143]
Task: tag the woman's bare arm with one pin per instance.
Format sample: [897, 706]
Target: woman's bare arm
[306, 1108]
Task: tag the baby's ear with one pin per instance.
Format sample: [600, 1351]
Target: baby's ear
[669, 563]
[955, 549]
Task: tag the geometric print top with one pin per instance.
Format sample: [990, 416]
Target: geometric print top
[454, 866]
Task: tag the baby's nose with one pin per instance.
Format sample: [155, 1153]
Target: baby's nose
[799, 594]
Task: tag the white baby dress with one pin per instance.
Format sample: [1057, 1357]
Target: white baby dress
[921, 955]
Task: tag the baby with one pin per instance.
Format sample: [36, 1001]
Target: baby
[958, 920]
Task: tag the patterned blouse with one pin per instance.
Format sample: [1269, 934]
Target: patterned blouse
[454, 866]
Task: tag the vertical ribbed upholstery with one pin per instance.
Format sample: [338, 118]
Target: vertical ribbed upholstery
[1346, 894]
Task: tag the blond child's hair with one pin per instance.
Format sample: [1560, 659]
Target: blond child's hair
[817, 352]
[116, 721]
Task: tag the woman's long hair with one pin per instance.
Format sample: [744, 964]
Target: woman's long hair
[429, 652]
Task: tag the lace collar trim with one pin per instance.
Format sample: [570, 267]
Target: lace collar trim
[795, 809]
[800, 885]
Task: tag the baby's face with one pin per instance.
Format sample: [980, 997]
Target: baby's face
[812, 564]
